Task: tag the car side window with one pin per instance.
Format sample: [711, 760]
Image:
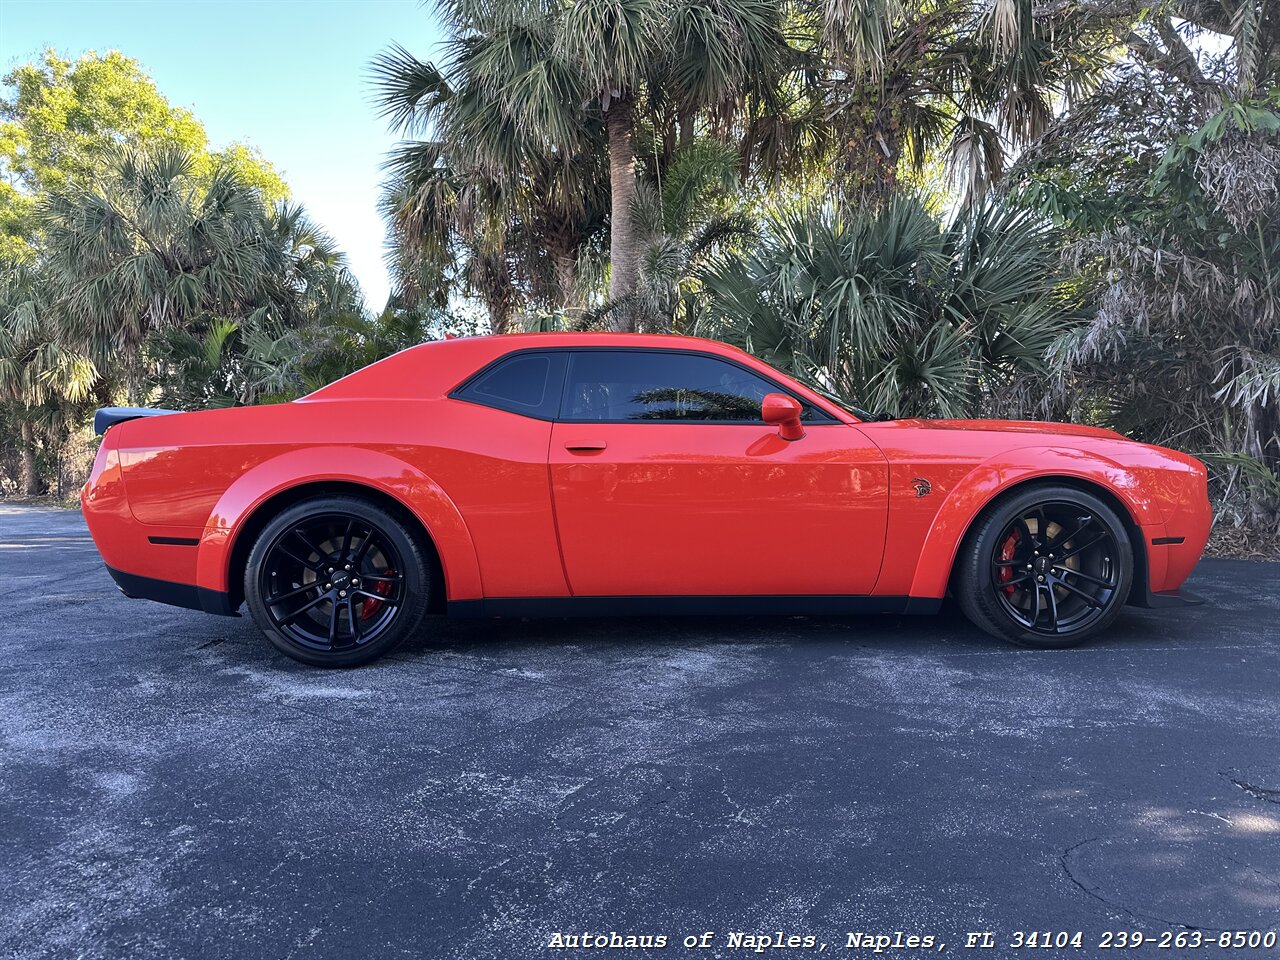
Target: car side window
[524, 383]
[608, 386]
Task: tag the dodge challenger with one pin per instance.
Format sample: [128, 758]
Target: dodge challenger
[620, 474]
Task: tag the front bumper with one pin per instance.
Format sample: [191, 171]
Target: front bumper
[1143, 596]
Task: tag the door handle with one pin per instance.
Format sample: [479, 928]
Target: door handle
[576, 445]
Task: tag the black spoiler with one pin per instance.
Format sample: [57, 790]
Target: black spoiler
[109, 416]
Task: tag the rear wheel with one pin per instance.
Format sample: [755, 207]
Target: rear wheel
[337, 581]
[1050, 566]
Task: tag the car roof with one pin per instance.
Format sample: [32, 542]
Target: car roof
[435, 368]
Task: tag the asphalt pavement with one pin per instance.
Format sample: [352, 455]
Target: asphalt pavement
[170, 787]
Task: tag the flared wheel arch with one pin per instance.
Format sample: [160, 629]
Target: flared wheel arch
[1131, 527]
[273, 506]
[261, 515]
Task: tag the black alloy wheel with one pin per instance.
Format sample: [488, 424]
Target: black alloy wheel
[337, 581]
[1049, 567]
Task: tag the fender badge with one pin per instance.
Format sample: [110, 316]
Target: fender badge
[923, 487]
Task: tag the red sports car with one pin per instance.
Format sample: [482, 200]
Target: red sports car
[614, 474]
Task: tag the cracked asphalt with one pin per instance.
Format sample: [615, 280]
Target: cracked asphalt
[172, 788]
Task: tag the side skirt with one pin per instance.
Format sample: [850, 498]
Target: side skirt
[175, 594]
[815, 605]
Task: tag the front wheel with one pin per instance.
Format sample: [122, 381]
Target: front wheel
[337, 581]
[1048, 567]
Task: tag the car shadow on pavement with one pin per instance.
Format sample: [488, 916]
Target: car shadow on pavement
[947, 632]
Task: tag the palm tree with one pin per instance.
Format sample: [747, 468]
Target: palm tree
[41, 382]
[697, 213]
[899, 82]
[152, 247]
[502, 206]
[890, 307]
[512, 98]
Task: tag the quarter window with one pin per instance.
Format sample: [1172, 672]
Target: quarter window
[606, 386]
[526, 383]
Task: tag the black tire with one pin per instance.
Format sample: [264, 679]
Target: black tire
[337, 581]
[1048, 566]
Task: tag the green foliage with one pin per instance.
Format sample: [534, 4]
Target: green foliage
[152, 247]
[535, 118]
[346, 344]
[62, 121]
[158, 278]
[1181, 245]
[893, 308]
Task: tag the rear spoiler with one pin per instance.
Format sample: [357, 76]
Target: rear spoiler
[107, 417]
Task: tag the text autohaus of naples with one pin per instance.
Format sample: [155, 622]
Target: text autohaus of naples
[754, 942]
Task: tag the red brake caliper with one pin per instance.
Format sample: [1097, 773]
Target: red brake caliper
[369, 609]
[1006, 553]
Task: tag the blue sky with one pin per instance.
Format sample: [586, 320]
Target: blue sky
[287, 76]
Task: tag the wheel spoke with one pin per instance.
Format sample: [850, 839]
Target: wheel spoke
[381, 579]
[1109, 584]
[389, 601]
[1035, 605]
[364, 549]
[1084, 522]
[1087, 598]
[289, 618]
[333, 624]
[297, 559]
[1080, 548]
[305, 588]
[345, 549]
[297, 532]
[353, 621]
[1027, 541]
[1053, 606]
[1021, 579]
[1042, 526]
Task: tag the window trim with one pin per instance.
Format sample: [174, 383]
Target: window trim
[823, 417]
[555, 394]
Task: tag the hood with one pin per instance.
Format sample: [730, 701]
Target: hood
[1017, 426]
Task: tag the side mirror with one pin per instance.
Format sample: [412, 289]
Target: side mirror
[785, 412]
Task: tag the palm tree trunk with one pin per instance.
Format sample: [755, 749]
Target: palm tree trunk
[624, 256]
[28, 478]
[566, 266]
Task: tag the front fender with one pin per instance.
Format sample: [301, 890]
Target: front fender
[413, 489]
[968, 498]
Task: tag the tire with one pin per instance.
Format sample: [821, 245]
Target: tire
[1047, 566]
[337, 581]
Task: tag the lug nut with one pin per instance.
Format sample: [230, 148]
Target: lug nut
[342, 593]
[355, 583]
[328, 586]
[347, 567]
[1041, 579]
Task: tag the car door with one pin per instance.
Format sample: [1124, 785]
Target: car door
[666, 481]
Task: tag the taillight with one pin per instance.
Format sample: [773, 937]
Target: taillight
[106, 457]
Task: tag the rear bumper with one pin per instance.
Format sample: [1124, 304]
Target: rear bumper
[186, 595]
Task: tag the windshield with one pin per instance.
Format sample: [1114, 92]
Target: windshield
[835, 398]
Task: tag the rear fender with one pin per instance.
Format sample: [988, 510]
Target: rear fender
[414, 490]
[990, 479]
